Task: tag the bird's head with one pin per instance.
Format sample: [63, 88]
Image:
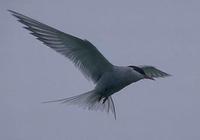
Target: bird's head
[141, 71]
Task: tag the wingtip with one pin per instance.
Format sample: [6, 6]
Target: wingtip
[14, 13]
[11, 11]
[168, 75]
[115, 117]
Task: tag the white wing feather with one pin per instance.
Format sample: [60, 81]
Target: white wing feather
[81, 52]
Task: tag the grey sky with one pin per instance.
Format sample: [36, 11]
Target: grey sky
[164, 34]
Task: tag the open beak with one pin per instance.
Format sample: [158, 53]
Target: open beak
[148, 77]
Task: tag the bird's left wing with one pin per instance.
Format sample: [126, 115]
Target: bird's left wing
[81, 52]
[153, 72]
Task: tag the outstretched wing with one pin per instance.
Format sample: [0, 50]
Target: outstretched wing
[81, 52]
[153, 72]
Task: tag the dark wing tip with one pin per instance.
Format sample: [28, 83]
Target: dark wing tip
[164, 74]
[13, 12]
[10, 10]
[17, 15]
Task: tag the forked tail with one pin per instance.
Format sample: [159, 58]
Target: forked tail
[90, 101]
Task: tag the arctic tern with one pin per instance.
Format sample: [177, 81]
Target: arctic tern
[107, 77]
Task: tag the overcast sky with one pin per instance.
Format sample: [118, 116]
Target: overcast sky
[161, 33]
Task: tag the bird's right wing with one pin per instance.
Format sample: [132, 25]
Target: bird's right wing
[81, 52]
[153, 72]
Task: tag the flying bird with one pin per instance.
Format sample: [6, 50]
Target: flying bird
[108, 78]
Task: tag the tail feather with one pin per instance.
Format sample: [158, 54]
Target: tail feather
[90, 101]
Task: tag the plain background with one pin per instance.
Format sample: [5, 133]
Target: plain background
[161, 33]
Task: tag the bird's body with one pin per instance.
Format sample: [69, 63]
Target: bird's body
[116, 79]
[107, 77]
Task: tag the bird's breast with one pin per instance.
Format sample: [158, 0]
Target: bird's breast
[114, 81]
